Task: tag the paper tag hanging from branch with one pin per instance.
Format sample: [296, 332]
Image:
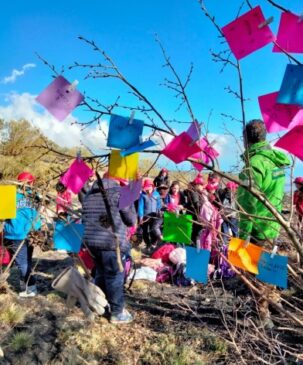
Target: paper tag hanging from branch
[248, 33]
[124, 132]
[8, 201]
[244, 255]
[290, 33]
[291, 91]
[197, 264]
[60, 98]
[273, 270]
[76, 175]
[68, 236]
[278, 117]
[123, 167]
[177, 228]
[293, 142]
[180, 148]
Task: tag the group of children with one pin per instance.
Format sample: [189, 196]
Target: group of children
[213, 209]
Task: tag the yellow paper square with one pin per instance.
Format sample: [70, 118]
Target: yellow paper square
[8, 199]
[244, 257]
[123, 167]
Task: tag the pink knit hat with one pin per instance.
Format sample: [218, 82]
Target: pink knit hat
[232, 185]
[198, 180]
[298, 180]
[147, 184]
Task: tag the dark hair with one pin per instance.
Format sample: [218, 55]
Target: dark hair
[255, 131]
[175, 182]
[213, 175]
[60, 188]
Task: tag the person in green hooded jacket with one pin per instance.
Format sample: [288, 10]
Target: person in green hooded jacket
[265, 170]
[266, 166]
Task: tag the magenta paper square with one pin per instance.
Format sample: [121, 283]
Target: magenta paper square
[180, 148]
[243, 35]
[58, 99]
[293, 141]
[277, 117]
[76, 176]
[207, 153]
[290, 34]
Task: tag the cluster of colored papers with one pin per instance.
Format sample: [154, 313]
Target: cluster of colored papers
[270, 268]
[283, 109]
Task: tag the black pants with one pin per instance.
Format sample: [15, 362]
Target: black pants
[151, 229]
[196, 233]
[23, 259]
[109, 278]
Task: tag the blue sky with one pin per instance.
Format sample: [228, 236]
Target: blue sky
[125, 29]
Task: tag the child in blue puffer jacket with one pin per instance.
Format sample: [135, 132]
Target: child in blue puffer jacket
[16, 232]
[149, 214]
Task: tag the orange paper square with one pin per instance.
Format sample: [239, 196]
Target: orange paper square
[245, 258]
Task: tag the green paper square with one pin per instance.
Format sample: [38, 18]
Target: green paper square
[177, 228]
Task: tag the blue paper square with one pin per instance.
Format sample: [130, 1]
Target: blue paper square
[291, 91]
[137, 148]
[68, 236]
[122, 134]
[273, 270]
[197, 264]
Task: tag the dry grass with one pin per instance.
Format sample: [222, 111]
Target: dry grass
[11, 314]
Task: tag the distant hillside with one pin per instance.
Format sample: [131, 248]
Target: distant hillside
[19, 142]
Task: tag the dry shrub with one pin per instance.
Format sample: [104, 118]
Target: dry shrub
[11, 314]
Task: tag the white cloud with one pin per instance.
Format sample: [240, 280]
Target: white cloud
[24, 106]
[17, 73]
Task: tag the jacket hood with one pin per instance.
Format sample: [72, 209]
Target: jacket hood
[107, 183]
[279, 158]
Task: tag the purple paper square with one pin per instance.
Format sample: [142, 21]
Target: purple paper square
[59, 99]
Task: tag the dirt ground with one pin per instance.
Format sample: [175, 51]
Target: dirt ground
[213, 324]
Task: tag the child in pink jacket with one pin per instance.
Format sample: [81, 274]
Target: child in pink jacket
[211, 220]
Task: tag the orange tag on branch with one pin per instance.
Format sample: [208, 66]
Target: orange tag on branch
[244, 256]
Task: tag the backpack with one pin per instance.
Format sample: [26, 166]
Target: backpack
[163, 253]
[5, 256]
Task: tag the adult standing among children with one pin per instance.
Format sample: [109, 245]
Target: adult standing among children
[194, 201]
[86, 188]
[229, 211]
[16, 232]
[101, 240]
[149, 208]
[265, 167]
[163, 191]
[162, 178]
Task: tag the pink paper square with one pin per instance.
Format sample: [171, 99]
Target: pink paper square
[244, 36]
[206, 155]
[76, 176]
[58, 99]
[277, 117]
[290, 34]
[180, 148]
[293, 141]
